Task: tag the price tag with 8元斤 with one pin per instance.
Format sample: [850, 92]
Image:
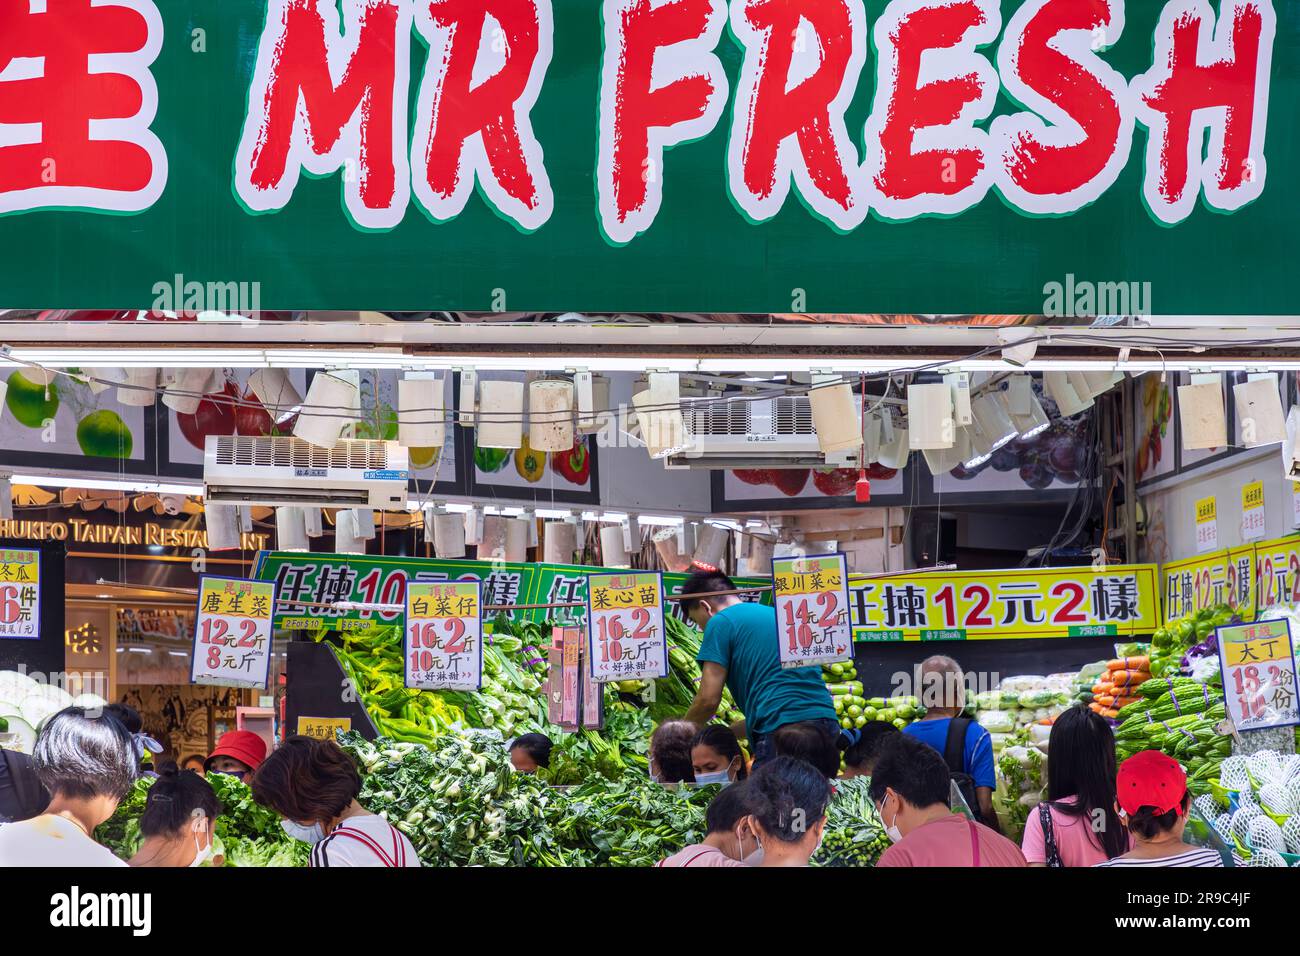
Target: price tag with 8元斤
[811, 595]
[232, 632]
[443, 648]
[1259, 676]
[625, 626]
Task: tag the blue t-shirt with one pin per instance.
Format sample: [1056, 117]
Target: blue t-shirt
[743, 639]
[977, 755]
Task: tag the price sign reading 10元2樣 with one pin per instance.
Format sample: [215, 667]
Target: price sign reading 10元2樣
[811, 595]
[625, 621]
[443, 647]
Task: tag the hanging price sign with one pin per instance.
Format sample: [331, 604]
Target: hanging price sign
[20, 594]
[232, 632]
[1259, 674]
[443, 647]
[625, 626]
[1207, 525]
[811, 595]
[1252, 511]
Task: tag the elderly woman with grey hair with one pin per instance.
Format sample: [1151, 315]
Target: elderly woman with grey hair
[965, 746]
[88, 762]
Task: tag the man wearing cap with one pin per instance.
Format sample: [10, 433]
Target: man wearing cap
[238, 753]
[1152, 800]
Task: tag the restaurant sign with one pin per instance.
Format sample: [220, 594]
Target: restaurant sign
[415, 153]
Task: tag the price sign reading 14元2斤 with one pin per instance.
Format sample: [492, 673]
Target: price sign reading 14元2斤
[232, 632]
[444, 635]
[1259, 675]
[625, 626]
[811, 595]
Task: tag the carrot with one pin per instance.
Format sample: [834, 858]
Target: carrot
[1095, 707]
[1129, 663]
[1128, 678]
[1108, 712]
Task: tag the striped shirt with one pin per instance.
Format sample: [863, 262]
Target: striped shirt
[365, 840]
[1196, 856]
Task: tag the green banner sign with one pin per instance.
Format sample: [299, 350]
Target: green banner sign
[1055, 157]
[324, 579]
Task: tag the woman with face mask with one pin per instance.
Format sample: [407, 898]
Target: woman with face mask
[177, 823]
[730, 841]
[313, 785]
[789, 798]
[716, 756]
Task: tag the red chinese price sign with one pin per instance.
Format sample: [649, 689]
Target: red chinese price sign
[811, 595]
[20, 594]
[625, 626]
[1259, 674]
[444, 635]
[232, 632]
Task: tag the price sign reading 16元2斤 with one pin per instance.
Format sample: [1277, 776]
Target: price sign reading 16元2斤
[625, 621]
[444, 635]
[811, 595]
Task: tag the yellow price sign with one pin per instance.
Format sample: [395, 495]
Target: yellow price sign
[232, 632]
[1252, 495]
[447, 599]
[808, 576]
[323, 728]
[1206, 510]
[1259, 674]
[20, 594]
[626, 636]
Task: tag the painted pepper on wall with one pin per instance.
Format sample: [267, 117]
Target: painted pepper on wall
[573, 465]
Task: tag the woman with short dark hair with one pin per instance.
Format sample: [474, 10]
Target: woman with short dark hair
[88, 764]
[787, 799]
[179, 815]
[313, 785]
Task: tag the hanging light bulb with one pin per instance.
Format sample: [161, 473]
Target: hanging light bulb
[1063, 390]
[994, 422]
[550, 415]
[222, 524]
[500, 415]
[421, 412]
[835, 414]
[333, 404]
[1025, 409]
[930, 423]
[291, 529]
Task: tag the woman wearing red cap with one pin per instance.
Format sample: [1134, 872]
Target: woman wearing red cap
[238, 753]
[1152, 799]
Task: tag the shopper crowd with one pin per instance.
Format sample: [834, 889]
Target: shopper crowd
[931, 785]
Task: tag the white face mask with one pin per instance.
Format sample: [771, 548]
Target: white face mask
[718, 776]
[891, 829]
[312, 834]
[755, 858]
[204, 855]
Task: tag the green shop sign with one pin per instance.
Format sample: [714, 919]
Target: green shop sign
[910, 156]
[323, 579]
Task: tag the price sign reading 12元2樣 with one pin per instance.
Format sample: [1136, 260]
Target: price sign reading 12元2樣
[1259, 674]
[444, 635]
[232, 632]
[625, 626]
[811, 595]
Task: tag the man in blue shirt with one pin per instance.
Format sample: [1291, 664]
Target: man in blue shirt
[942, 693]
[740, 651]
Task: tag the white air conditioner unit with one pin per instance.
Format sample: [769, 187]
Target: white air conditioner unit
[290, 471]
[757, 433]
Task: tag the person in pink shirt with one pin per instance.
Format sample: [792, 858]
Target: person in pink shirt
[729, 839]
[1077, 825]
[910, 788]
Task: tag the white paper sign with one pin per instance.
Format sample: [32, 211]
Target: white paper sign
[811, 596]
[232, 632]
[443, 647]
[1207, 525]
[626, 638]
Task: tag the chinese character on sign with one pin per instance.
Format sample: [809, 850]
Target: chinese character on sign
[904, 606]
[565, 589]
[1018, 598]
[502, 588]
[291, 580]
[80, 105]
[1114, 599]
